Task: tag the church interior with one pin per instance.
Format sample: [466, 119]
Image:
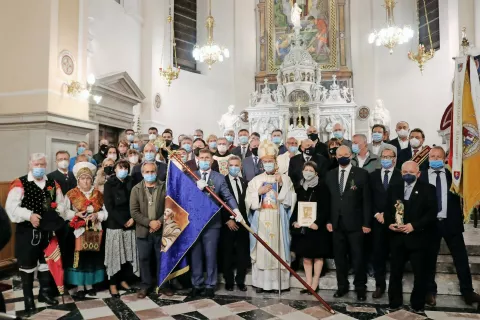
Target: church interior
[87, 70]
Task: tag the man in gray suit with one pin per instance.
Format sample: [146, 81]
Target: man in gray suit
[378, 131]
[208, 240]
[252, 165]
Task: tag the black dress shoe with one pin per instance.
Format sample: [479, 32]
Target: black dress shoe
[196, 292]
[303, 291]
[471, 298]
[91, 292]
[340, 293]
[362, 295]
[114, 295]
[45, 298]
[210, 293]
[242, 287]
[80, 294]
[259, 290]
[229, 287]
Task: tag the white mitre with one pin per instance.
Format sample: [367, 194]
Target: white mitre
[84, 168]
[267, 149]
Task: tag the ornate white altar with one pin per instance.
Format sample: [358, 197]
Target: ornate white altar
[301, 100]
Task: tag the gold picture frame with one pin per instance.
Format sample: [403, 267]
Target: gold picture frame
[278, 34]
[307, 213]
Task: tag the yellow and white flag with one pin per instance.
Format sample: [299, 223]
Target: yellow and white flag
[465, 146]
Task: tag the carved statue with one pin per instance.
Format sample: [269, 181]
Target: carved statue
[318, 74]
[380, 115]
[316, 91]
[297, 75]
[253, 99]
[228, 120]
[279, 94]
[295, 16]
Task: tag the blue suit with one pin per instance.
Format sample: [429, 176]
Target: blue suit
[208, 240]
[72, 163]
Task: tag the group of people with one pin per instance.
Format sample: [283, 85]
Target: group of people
[366, 200]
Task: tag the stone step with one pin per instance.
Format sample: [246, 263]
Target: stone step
[472, 241]
[447, 284]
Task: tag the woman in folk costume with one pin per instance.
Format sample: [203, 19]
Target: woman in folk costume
[270, 199]
[84, 205]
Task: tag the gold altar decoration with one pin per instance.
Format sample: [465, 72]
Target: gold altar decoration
[299, 104]
[170, 73]
[422, 56]
[76, 89]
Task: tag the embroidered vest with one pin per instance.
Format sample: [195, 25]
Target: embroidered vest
[36, 199]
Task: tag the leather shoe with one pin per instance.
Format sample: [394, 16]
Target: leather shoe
[196, 292]
[362, 295]
[210, 293]
[142, 294]
[378, 293]
[431, 300]
[340, 293]
[242, 287]
[167, 291]
[229, 287]
[471, 298]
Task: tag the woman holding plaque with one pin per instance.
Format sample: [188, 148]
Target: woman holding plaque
[310, 238]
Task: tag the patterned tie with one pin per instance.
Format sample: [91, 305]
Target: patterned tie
[204, 176]
[385, 179]
[342, 179]
[415, 151]
[439, 190]
[243, 152]
[408, 191]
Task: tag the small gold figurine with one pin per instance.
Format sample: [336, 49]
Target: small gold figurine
[399, 214]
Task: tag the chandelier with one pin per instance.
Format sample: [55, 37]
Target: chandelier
[170, 73]
[391, 35]
[422, 56]
[211, 52]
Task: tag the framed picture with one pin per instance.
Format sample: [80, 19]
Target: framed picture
[307, 213]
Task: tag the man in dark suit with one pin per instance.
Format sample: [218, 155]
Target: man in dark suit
[401, 141]
[242, 150]
[350, 219]
[252, 166]
[449, 226]
[380, 182]
[417, 153]
[235, 238]
[320, 147]
[410, 213]
[205, 248]
[149, 155]
[295, 168]
[62, 176]
[277, 135]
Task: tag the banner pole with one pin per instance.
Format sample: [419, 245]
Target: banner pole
[256, 236]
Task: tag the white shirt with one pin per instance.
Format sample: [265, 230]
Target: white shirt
[432, 178]
[361, 161]
[376, 148]
[347, 172]
[307, 158]
[208, 174]
[389, 174]
[234, 186]
[403, 144]
[413, 151]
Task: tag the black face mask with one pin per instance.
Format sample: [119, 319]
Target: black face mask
[333, 150]
[255, 152]
[309, 151]
[343, 161]
[103, 149]
[168, 142]
[108, 170]
[313, 136]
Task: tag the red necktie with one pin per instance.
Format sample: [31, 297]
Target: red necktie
[415, 152]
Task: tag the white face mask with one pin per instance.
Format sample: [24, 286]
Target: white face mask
[222, 148]
[63, 164]
[152, 136]
[415, 143]
[112, 156]
[133, 159]
[402, 133]
[308, 175]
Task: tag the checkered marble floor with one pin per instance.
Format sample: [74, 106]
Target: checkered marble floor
[226, 305]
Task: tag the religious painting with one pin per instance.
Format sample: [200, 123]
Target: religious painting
[269, 199]
[307, 213]
[318, 21]
[175, 220]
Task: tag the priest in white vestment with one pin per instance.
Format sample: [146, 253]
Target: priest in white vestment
[269, 216]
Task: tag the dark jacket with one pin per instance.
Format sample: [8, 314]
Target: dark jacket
[295, 167]
[396, 144]
[139, 208]
[406, 155]
[238, 151]
[241, 203]
[98, 157]
[66, 184]
[454, 208]
[354, 206]
[116, 198]
[161, 172]
[321, 148]
[420, 210]
[5, 228]
[379, 194]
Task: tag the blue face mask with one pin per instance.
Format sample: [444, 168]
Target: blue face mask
[293, 149]
[135, 146]
[269, 167]
[38, 172]
[409, 178]
[80, 150]
[338, 134]
[386, 163]
[213, 145]
[229, 138]
[187, 147]
[122, 174]
[377, 137]
[437, 164]
[150, 177]
[355, 148]
[277, 140]
[243, 139]
[234, 171]
[204, 165]
[149, 156]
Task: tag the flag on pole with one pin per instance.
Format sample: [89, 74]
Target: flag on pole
[465, 138]
[187, 212]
